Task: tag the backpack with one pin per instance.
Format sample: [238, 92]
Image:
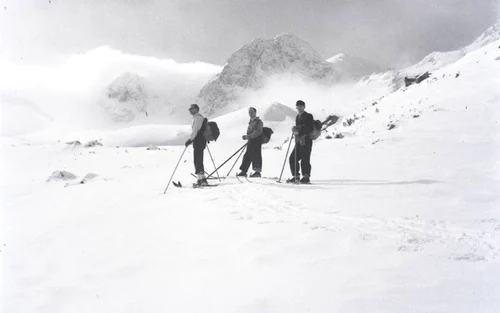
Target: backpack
[266, 134]
[210, 130]
[316, 130]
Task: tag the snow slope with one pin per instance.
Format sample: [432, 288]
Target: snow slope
[399, 220]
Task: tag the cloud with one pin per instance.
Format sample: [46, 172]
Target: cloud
[70, 92]
[186, 30]
[341, 98]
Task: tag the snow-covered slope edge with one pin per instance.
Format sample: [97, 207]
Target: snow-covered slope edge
[436, 60]
[467, 84]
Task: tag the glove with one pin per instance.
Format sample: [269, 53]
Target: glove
[245, 137]
[296, 133]
[294, 129]
[188, 142]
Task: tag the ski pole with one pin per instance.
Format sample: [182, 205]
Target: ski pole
[284, 162]
[228, 159]
[213, 162]
[175, 170]
[235, 162]
[295, 164]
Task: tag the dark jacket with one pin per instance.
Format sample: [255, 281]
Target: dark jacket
[304, 123]
[254, 129]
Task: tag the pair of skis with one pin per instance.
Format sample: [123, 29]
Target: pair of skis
[239, 178]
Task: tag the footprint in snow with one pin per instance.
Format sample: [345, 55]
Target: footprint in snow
[324, 228]
[469, 257]
[414, 244]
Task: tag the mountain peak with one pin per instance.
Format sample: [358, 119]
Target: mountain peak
[253, 63]
[283, 37]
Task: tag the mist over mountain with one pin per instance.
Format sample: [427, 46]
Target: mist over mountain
[254, 63]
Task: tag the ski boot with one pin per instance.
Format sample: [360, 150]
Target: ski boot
[202, 182]
[305, 180]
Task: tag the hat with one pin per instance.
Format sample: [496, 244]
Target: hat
[301, 103]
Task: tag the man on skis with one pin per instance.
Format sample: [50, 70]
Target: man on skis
[304, 124]
[253, 154]
[199, 143]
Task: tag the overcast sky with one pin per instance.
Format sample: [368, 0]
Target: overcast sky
[385, 31]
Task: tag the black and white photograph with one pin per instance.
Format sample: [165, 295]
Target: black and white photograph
[250, 156]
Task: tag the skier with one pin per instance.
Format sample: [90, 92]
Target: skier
[199, 143]
[254, 148]
[304, 124]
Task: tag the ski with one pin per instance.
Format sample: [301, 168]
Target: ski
[269, 178]
[179, 185]
[204, 186]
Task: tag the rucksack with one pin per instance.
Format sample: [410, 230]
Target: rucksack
[316, 130]
[210, 130]
[266, 134]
